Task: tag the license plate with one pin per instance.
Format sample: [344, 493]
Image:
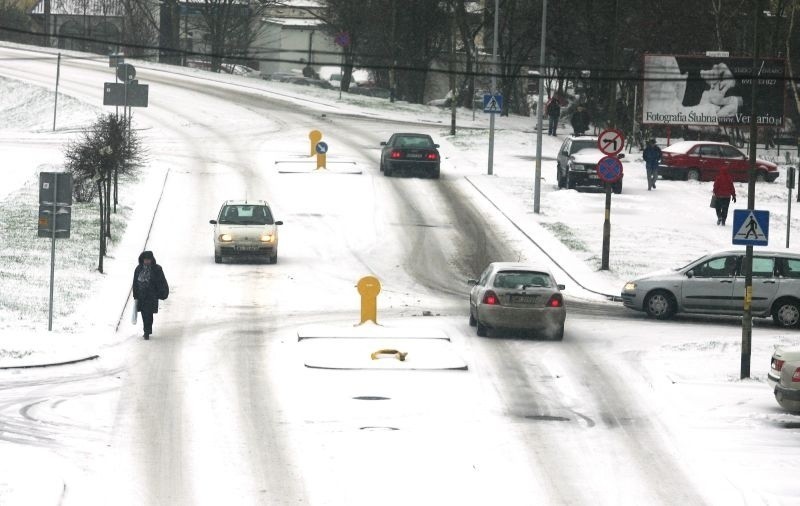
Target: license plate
[524, 299]
[414, 155]
[246, 248]
[594, 176]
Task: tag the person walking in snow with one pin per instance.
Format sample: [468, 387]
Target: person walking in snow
[553, 113]
[651, 156]
[580, 120]
[149, 285]
[724, 191]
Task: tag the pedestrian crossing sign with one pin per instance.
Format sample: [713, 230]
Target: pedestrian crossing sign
[492, 103]
[750, 227]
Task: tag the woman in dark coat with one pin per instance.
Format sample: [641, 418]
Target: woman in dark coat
[149, 285]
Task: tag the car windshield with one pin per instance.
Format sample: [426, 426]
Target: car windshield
[413, 141]
[245, 215]
[581, 145]
[521, 279]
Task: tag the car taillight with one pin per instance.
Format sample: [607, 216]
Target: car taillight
[432, 156]
[490, 298]
[777, 364]
[396, 154]
[796, 376]
[556, 300]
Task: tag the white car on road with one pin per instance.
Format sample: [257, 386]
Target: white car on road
[246, 229]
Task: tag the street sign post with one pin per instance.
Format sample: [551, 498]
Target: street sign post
[55, 217]
[790, 179]
[750, 227]
[609, 169]
[610, 141]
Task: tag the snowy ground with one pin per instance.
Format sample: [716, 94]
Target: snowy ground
[690, 367]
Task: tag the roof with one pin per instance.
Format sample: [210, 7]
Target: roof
[687, 145]
[247, 202]
[757, 252]
[300, 22]
[81, 7]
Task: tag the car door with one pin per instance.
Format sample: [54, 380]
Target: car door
[709, 162]
[765, 285]
[708, 286]
[737, 164]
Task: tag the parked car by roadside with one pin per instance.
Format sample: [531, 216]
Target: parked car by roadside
[715, 283]
[576, 164]
[702, 161]
[239, 70]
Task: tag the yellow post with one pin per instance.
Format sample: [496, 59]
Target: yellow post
[321, 160]
[369, 287]
[314, 136]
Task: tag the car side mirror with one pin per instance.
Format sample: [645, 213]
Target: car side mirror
[690, 274]
[565, 153]
[279, 222]
[562, 287]
[213, 222]
[383, 143]
[435, 145]
[472, 282]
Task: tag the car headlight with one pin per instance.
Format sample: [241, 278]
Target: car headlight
[267, 237]
[225, 238]
[630, 286]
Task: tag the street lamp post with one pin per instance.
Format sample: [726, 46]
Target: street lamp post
[537, 182]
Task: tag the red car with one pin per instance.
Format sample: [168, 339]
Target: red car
[702, 160]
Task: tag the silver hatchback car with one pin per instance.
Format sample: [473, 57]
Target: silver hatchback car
[246, 229]
[714, 284]
[517, 296]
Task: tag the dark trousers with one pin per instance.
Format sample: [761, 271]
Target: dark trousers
[552, 125]
[147, 320]
[722, 208]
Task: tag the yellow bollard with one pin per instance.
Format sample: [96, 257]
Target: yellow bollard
[369, 287]
[321, 160]
[314, 136]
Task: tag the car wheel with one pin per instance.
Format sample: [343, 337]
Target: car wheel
[569, 183]
[482, 330]
[693, 175]
[387, 171]
[380, 165]
[435, 173]
[617, 187]
[560, 178]
[557, 334]
[660, 304]
[472, 320]
[217, 259]
[786, 313]
[761, 177]
[274, 258]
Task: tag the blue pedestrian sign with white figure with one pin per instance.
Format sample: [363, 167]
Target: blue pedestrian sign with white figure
[750, 227]
[492, 103]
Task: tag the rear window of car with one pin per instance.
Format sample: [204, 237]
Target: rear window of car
[522, 279]
[246, 215]
[413, 142]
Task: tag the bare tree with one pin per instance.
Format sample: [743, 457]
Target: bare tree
[231, 26]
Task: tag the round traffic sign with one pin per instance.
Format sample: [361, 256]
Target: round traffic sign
[609, 168]
[321, 147]
[126, 72]
[610, 141]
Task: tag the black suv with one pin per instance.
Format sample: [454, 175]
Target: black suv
[577, 164]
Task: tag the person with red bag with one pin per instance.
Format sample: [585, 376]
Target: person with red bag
[724, 191]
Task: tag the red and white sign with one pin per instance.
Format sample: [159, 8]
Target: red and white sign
[610, 142]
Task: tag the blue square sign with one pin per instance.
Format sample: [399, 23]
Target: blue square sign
[492, 103]
[750, 227]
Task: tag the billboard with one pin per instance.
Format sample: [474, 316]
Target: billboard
[706, 90]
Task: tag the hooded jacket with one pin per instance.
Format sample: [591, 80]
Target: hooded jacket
[149, 284]
[723, 185]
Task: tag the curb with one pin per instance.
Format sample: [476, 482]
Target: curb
[33, 366]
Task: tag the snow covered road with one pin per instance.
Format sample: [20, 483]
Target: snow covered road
[218, 409]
